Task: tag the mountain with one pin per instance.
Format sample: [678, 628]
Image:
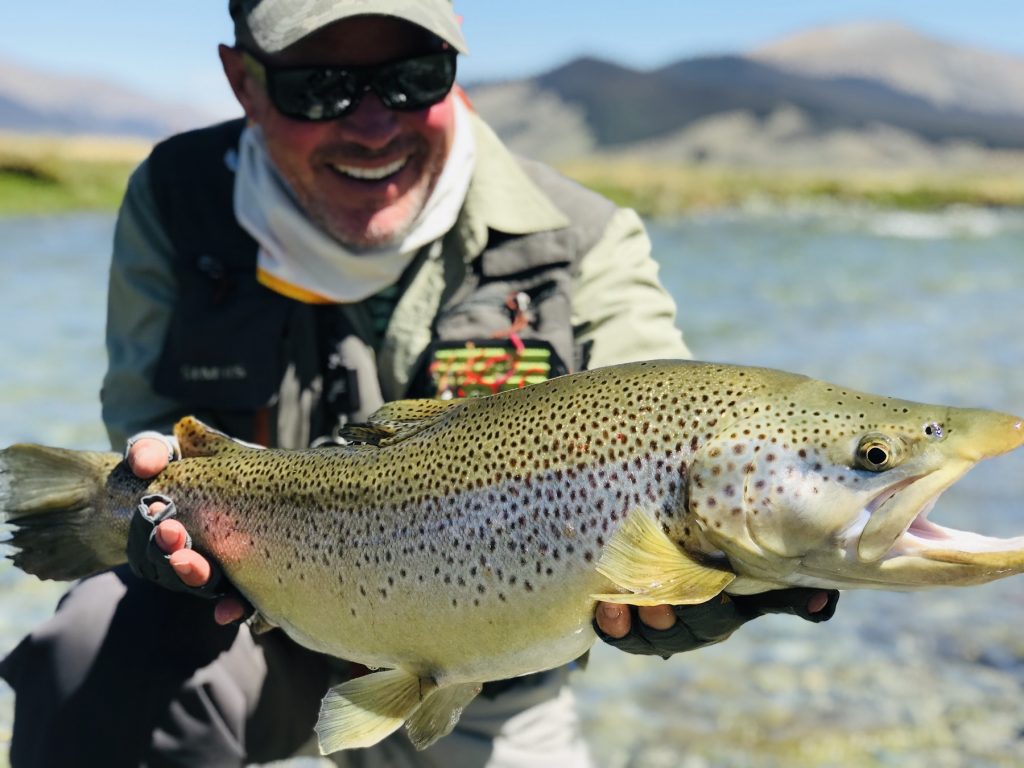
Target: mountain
[648, 104]
[32, 101]
[864, 94]
[946, 74]
[789, 102]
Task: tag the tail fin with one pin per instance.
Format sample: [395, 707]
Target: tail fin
[56, 502]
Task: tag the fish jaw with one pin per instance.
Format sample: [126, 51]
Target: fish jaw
[924, 556]
[894, 510]
[971, 554]
[811, 513]
[910, 551]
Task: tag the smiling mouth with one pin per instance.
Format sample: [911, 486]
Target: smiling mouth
[375, 173]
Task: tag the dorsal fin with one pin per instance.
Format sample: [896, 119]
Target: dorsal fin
[398, 420]
[198, 439]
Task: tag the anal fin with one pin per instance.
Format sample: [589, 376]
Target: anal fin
[361, 712]
[439, 713]
[641, 559]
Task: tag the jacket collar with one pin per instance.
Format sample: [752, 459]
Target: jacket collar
[502, 197]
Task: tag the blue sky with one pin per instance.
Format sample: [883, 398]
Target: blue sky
[169, 49]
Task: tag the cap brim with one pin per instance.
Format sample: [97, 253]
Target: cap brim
[275, 25]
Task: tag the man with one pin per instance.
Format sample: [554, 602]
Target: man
[362, 237]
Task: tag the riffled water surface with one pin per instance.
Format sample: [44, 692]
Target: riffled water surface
[926, 307]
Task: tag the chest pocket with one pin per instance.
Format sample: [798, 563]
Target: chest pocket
[500, 332]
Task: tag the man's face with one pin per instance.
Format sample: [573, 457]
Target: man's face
[364, 177]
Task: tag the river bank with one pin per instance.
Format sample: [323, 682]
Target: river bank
[671, 190]
[59, 174]
[51, 174]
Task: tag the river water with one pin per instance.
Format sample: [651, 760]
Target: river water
[922, 306]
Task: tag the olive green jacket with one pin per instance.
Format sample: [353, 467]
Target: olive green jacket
[620, 311]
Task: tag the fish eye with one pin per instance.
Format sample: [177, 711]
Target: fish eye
[934, 430]
[877, 453]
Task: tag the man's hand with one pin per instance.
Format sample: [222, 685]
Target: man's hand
[615, 620]
[147, 458]
[664, 630]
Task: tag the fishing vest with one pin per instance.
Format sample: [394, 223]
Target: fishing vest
[273, 370]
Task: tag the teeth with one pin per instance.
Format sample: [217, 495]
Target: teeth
[371, 174]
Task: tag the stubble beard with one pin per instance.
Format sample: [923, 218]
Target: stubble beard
[376, 227]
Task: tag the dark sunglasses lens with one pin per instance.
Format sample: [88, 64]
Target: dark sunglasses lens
[315, 93]
[415, 83]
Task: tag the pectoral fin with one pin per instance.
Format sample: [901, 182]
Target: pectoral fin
[641, 559]
[439, 713]
[361, 712]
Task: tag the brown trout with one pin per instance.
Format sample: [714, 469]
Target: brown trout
[458, 542]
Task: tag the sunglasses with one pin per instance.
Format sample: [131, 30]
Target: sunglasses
[327, 93]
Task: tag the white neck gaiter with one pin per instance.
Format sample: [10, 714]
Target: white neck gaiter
[300, 260]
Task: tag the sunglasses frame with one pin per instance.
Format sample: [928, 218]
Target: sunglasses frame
[366, 78]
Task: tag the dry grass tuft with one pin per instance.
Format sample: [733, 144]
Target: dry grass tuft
[663, 190]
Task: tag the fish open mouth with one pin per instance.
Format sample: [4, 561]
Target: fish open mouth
[911, 501]
[925, 538]
[897, 545]
[898, 525]
[893, 512]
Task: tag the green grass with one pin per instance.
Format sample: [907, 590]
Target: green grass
[53, 175]
[81, 186]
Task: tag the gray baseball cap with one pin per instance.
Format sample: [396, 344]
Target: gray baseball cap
[276, 24]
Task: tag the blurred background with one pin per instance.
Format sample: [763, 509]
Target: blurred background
[667, 106]
[834, 189]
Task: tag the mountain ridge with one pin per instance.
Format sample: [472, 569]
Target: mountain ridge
[37, 101]
[939, 70]
[727, 109]
[865, 92]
